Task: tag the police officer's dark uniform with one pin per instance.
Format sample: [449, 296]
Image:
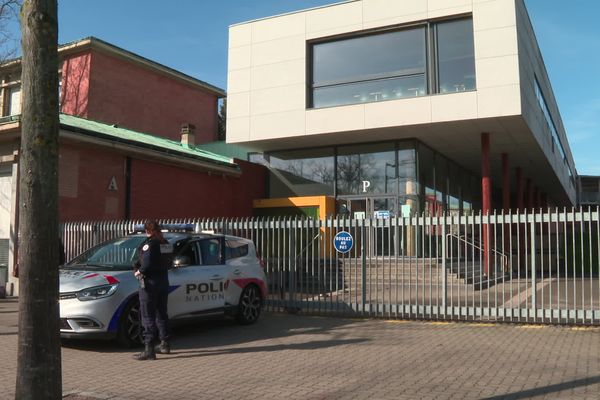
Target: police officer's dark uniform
[153, 294]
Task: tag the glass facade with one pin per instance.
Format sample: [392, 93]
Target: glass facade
[393, 64]
[556, 142]
[304, 172]
[359, 169]
[369, 68]
[393, 178]
[455, 56]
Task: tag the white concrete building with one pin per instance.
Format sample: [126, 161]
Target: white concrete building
[401, 106]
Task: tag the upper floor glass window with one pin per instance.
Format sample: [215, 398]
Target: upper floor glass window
[393, 64]
[369, 68]
[455, 56]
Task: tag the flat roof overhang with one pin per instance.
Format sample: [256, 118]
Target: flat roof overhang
[460, 141]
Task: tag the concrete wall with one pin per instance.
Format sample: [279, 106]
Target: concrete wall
[531, 65]
[268, 60]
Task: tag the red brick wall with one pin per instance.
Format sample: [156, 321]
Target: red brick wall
[139, 99]
[75, 80]
[84, 178]
[160, 191]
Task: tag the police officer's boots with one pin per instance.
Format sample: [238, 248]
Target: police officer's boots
[147, 354]
[163, 347]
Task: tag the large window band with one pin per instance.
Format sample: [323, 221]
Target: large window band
[393, 64]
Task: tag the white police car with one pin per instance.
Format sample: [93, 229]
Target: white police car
[211, 275]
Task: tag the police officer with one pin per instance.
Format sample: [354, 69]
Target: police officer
[154, 291]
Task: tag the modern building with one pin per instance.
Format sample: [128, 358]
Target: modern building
[396, 107]
[130, 138]
[589, 190]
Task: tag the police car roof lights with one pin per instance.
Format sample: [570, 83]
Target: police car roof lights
[139, 228]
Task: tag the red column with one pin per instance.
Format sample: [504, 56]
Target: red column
[530, 200]
[521, 208]
[520, 190]
[486, 197]
[544, 200]
[538, 197]
[505, 200]
[505, 183]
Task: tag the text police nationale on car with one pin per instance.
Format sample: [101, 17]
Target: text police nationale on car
[212, 274]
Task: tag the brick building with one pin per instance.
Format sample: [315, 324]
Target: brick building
[129, 135]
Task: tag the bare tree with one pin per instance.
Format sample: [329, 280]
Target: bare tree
[222, 121]
[8, 13]
[39, 373]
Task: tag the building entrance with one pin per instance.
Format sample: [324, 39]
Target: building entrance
[379, 241]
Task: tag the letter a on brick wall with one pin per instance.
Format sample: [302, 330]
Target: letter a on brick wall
[113, 184]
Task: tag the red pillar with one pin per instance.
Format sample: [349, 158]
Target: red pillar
[520, 190]
[521, 208]
[505, 183]
[538, 197]
[486, 197]
[530, 200]
[544, 200]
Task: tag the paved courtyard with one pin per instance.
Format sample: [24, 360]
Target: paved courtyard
[300, 357]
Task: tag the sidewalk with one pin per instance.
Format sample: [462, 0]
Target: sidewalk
[299, 357]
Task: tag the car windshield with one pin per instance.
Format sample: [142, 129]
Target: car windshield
[115, 254]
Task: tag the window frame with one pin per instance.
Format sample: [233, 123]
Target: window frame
[430, 51]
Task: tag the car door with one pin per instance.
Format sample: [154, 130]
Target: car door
[197, 286]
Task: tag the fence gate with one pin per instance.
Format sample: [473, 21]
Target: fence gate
[527, 267]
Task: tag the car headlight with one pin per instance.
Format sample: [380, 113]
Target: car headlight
[97, 292]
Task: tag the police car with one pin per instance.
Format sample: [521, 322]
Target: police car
[211, 275]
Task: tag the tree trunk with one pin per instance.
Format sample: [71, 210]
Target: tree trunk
[39, 359]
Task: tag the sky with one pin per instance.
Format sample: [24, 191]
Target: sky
[191, 36]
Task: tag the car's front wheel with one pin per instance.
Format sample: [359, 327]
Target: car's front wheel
[249, 306]
[130, 328]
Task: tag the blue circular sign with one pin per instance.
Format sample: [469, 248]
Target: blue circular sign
[343, 242]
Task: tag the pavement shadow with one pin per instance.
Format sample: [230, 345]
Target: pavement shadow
[223, 332]
[546, 390]
[312, 345]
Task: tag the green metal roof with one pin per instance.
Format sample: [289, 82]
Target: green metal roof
[143, 140]
[232, 150]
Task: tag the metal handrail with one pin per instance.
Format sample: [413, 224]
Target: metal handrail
[311, 243]
[503, 256]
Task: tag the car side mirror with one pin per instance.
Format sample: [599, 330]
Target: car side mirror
[181, 261]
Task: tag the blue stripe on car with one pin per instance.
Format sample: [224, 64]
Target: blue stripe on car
[113, 325]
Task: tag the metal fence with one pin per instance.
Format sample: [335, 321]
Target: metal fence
[527, 267]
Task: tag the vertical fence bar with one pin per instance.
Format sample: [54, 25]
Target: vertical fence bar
[598, 255]
[574, 266]
[533, 267]
[591, 260]
[363, 255]
[510, 264]
[558, 271]
[398, 248]
[541, 261]
[444, 271]
[550, 261]
[582, 260]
